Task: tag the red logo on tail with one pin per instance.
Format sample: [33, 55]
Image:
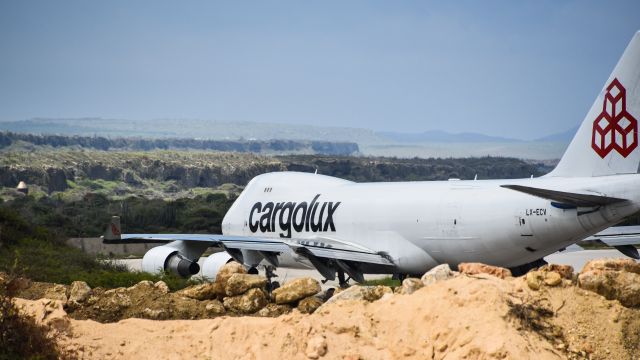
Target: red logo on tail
[115, 230]
[614, 129]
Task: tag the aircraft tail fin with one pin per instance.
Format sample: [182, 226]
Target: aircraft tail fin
[113, 231]
[607, 141]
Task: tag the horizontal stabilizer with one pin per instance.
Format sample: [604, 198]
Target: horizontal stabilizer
[628, 250]
[570, 198]
[617, 236]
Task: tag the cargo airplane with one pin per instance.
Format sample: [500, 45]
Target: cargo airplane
[341, 228]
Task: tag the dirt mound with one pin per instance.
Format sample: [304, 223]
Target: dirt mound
[465, 316]
[233, 293]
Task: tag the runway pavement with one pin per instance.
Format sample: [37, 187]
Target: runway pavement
[577, 259]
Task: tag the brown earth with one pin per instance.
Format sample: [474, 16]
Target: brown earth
[465, 316]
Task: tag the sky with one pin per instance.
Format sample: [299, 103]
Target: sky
[521, 69]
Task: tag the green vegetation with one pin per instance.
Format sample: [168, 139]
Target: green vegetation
[388, 281]
[87, 216]
[20, 336]
[37, 253]
[174, 174]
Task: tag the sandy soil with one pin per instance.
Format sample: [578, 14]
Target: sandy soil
[473, 317]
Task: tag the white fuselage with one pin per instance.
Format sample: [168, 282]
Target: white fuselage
[424, 223]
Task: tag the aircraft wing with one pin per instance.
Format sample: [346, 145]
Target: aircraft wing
[622, 238]
[324, 253]
[566, 198]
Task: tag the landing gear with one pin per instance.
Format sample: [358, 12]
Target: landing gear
[272, 286]
[523, 269]
[328, 294]
[341, 280]
[268, 272]
[400, 277]
[253, 270]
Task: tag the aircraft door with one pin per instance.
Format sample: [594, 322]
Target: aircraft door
[524, 225]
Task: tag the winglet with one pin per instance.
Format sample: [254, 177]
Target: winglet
[113, 231]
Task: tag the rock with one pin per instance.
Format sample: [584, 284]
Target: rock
[205, 291]
[226, 271]
[131, 178]
[552, 278]
[480, 268]
[627, 265]
[56, 292]
[615, 279]
[409, 286]
[79, 292]
[316, 347]
[534, 279]
[438, 273]
[566, 271]
[56, 180]
[238, 284]
[184, 308]
[49, 313]
[144, 285]
[296, 290]
[117, 299]
[17, 284]
[247, 303]
[215, 308]
[153, 314]
[274, 310]
[309, 305]
[161, 287]
[357, 292]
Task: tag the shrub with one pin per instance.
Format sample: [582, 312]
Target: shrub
[21, 337]
[58, 263]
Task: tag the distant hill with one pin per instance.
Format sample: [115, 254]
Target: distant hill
[443, 137]
[432, 143]
[188, 128]
[565, 136]
[18, 141]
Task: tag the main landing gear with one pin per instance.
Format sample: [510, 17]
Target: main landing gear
[342, 281]
[269, 274]
[400, 277]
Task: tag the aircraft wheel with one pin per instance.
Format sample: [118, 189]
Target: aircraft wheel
[274, 285]
[252, 270]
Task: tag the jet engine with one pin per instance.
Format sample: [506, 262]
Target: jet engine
[213, 263]
[177, 257]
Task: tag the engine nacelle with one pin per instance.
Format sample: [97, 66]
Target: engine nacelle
[213, 263]
[172, 257]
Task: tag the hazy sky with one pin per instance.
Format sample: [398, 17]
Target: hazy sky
[507, 68]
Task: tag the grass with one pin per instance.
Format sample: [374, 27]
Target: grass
[47, 262]
[388, 281]
[36, 253]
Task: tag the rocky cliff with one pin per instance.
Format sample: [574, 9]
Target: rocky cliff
[53, 170]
